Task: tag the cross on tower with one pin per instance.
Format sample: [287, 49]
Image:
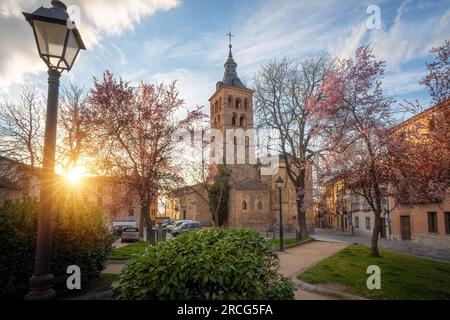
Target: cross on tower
[229, 36]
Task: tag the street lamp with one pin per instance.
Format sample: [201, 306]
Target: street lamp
[58, 43]
[279, 184]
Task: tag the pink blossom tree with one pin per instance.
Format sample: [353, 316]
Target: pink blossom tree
[356, 100]
[133, 128]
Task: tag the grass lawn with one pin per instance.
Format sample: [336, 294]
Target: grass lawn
[125, 253]
[402, 276]
[287, 241]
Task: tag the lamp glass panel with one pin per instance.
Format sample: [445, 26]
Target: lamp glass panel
[50, 37]
[72, 49]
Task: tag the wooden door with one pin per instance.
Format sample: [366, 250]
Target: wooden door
[405, 227]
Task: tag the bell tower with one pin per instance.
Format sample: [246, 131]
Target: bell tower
[231, 112]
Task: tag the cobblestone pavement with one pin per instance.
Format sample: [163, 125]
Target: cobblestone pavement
[407, 247]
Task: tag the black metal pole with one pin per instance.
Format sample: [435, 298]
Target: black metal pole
[42, 280]
[281, 224]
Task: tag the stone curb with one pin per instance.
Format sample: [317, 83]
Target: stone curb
[297, 244]
[312, 288]
[117, 261]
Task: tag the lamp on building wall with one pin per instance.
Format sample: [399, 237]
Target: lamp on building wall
[58, 43]
[279, 184]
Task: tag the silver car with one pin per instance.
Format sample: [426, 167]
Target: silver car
[174, 225]
[129, 234]
[185, 227]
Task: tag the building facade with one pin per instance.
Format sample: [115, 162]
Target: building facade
[253, 201]
[427, 223]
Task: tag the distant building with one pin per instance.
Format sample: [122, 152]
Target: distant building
[17, 180]
[253, 201]
[344, 210]
[427, 223]
[118, 202]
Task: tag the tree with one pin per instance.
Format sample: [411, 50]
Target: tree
[134, 129]
[73, 121]
[22, 128]
[420, 151]
[285, 94]
[366, 113]
[209, 181]
[437, 80]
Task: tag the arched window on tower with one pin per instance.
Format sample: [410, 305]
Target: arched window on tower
[216, 107]
[234, 119]
[230, 101]
[244, 205]
[260, 205]
[218, 119]
[220, 104]
[245, 104]
[238, 103]
[242, 121]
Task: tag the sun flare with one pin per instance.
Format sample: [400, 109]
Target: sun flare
[74, 175]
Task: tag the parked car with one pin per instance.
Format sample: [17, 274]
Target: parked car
[119, 225]
[129, 234]
[174, 224]
[185, 227]
[167, 223]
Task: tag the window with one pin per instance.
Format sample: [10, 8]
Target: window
[242, 121]
[238, 103]
[260, 205]
[357, 222]
[447, 222]
[432, 222]
[216, 107]
[230, 101]
[244, 205]
[368, 223]
[220, 104]
[234, 119]
[26, 186]
[431, 125]
[245, 104]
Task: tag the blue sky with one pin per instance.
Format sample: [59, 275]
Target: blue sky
[185, 40]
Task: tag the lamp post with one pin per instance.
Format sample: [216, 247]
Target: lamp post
[58, 43]
[279, 184]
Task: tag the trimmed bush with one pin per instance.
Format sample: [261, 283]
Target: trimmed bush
[80, 237]
[208, 264]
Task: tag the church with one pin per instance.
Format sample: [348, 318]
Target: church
[253, 201]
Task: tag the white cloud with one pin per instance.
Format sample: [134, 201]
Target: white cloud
[113, 17]
[195, 87]
[345, 47]
[98, 18]
[157, 47]
[404, 82]
[409, 39]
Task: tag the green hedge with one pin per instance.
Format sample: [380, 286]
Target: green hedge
[80, 237]
[208, 264]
